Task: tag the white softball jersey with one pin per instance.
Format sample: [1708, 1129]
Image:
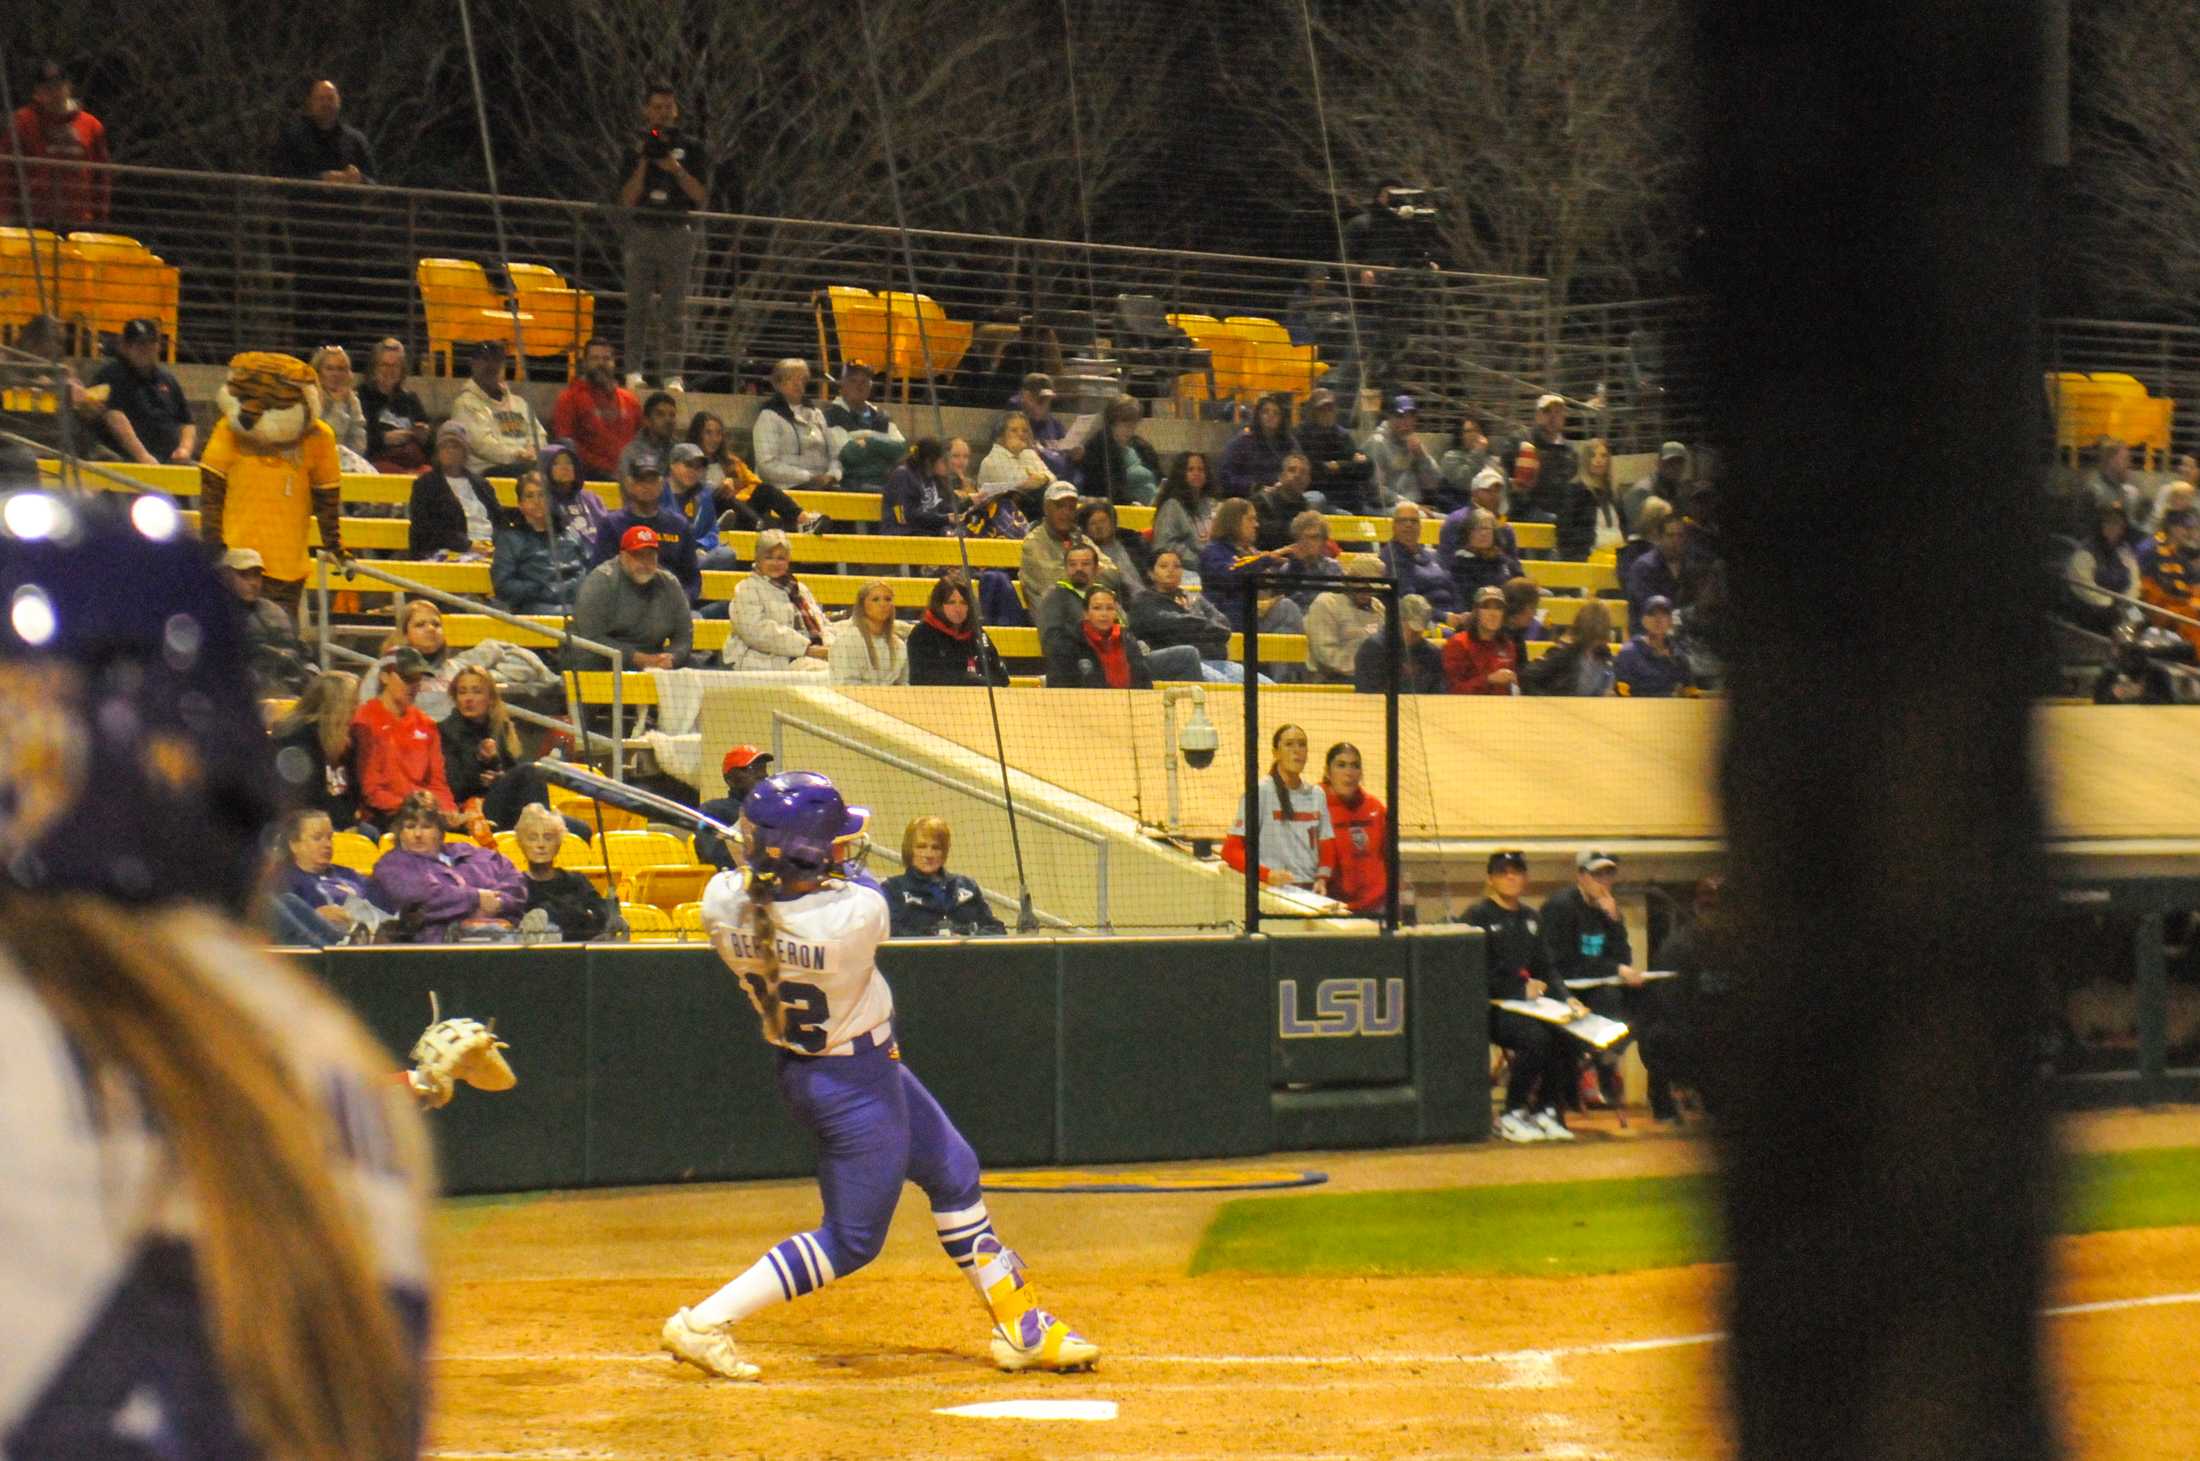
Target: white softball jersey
[829, 982]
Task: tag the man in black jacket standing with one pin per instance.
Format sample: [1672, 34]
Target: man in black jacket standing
[1587, 939]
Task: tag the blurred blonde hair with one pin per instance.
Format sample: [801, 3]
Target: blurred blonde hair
[313, 1355]
[933, 828]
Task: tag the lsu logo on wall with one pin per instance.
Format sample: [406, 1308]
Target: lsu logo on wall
[1342, 1007]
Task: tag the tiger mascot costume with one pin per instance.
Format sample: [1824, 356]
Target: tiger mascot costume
[269, 469]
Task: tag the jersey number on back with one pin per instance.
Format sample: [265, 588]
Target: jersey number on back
[805, 1006]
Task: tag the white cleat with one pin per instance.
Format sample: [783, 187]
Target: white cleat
[1054, 1346]
[1519, 1126]
[709, 1350]
[1553, 1129]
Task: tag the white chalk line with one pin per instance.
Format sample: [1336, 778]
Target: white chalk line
[1510, 1357]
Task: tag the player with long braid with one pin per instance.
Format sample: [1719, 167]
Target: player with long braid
[803, 941]
[212, 1193]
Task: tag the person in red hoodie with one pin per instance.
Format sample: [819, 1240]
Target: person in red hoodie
[401, 750]
[1362, 826]
[597, 414]
[68, 194]
[1482, 658]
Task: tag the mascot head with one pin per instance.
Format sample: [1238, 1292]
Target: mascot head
[269, 400]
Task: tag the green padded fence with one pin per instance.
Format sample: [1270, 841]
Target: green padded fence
[642, 1063]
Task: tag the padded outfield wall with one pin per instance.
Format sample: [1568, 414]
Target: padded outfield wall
[642, 1063]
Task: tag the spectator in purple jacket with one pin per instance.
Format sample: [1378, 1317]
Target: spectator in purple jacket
[1656, 574]
[1652, 665]
[1417, 567]
[310, 891]
[436, 886]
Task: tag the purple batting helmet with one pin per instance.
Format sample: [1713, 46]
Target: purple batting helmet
[798, 816]
[132, 762]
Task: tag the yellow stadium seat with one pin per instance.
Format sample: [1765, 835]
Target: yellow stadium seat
[574, 852]
[128, 281]
[650, 925]
[460, 306]
[585, 810]
[355, 852]
[1226, 347]
[605, 880]
[668, 887]
[628, 850]
[564, 317]
[1271, 362]
[911, 345]
[2140, 419]
[40, 272]
[688, 918]
[859, 327]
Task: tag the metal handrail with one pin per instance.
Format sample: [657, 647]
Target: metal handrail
[563, 636]
[980, 794]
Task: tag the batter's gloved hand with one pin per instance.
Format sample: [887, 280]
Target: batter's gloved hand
[454, 1050]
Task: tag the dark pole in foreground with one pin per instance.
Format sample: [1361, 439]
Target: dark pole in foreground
[1394, 651]
[1872, 188]
[1253, 818]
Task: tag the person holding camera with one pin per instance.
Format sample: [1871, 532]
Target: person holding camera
[664, 184]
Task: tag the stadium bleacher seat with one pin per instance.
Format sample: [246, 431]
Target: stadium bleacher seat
[688, 919]
[921, 341]
[650, 925]
[460, 306]
[629, 849]
[129, 280]
[858, 327]
[564, 317]
[667, 886]
[355, 852]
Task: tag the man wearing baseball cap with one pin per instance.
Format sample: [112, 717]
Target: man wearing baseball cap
[147, 420]
[1542, 1074]
[642, 504]
[400, 750]
[1342, 473]
[743, 767]
[1587, 939]
[1652, 665]
[688, 497]
[503, 437]
[276, 659]
[633, 604]
[1036, 400]
[1404, 469]
[1669, 481]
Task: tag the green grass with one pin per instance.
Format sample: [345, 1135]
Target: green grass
[1566, 1228]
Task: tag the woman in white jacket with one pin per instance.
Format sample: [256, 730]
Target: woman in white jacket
[867, 651]
[777, 624]
[794, 447]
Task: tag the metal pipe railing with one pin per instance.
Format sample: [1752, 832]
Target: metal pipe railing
[565, 638]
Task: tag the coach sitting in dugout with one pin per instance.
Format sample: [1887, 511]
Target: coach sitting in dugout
[1586, 938]
[925, 899]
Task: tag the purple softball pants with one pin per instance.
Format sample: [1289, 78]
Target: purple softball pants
[877, 1127]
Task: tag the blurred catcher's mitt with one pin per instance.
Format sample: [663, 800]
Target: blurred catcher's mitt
[454, 1050]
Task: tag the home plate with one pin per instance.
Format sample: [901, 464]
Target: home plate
[1034, 1410]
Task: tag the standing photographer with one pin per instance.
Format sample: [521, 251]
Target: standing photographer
[1395, 233]
[664, 184]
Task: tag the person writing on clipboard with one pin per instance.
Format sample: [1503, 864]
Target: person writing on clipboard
[1520, 968]
[1587, 939]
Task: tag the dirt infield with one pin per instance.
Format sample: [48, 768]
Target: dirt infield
[550, 1307]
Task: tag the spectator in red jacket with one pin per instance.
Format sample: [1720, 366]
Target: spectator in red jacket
[1482, 659]
[1362, 825]
[69, 192]
[401, 750]
[597, 414]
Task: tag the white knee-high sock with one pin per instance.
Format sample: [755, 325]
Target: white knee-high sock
[795, 1267]
[959, 1235]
